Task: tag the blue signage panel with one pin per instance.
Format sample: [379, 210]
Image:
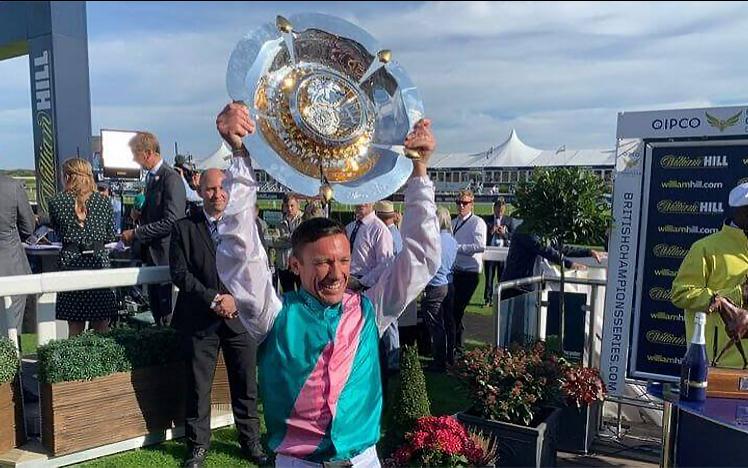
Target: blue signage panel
[687, 199]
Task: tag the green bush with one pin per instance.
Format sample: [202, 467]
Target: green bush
[8, 360]
[92, 355]
[412, 400]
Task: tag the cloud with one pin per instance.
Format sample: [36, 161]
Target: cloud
[557, 72]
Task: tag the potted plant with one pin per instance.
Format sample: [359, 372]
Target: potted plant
[11, 422]
[444, 442]
[513, 392]
[584, 391]
[564, 206]
[97, 389]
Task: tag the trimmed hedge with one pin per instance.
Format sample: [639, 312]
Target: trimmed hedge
[91, 355]
[412, 400]
[9, 361]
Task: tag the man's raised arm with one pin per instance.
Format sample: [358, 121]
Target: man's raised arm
[240, 258]
[408, 273]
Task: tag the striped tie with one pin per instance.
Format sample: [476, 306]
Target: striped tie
[213, 228]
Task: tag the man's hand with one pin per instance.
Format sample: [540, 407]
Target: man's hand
[598, 256]
[234, 123]
[422, 140]
[578, 266]
[127, 236]
[195, 180]
[225, 306]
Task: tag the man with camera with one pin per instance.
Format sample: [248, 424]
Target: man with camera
[191, 181]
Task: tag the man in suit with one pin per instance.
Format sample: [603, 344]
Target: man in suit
[499, 233]
[165, 203]
[16, 224]
[207, 317]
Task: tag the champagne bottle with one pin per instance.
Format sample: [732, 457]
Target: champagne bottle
[694, 367]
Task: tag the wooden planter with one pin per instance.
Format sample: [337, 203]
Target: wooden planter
[578, 428]
[80, 415]
[520, 445]
[11, 417]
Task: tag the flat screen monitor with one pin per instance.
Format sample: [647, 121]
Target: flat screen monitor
[116, 156]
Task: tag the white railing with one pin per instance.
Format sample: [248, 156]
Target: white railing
[47, 285]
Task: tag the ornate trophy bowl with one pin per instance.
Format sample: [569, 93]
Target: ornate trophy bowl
[332, 108]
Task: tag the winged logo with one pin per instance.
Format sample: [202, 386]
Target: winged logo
[723, 124]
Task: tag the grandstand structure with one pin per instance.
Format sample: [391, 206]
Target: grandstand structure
[498, 169]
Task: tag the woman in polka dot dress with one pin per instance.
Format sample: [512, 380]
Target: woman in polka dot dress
[84, 220]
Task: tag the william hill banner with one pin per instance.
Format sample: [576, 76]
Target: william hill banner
[686, 200]
[675, 170]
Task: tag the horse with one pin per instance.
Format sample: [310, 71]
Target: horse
[736, 323]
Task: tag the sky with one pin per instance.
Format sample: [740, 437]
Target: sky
[557, 72]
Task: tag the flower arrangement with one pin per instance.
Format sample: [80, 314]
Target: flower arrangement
[582, 386]
[513, 385]
[443, 441]
[510, 385]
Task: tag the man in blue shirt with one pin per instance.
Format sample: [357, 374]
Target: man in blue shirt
[436, 304]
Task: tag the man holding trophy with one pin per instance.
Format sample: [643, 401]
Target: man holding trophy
[318, 357]
[334, 117]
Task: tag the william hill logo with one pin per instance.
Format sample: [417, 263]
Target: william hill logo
[672, 161]
[681, 207]
[659, 294]
[670, 251]
[665, 338]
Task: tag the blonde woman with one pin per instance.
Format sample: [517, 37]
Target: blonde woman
[83, 218]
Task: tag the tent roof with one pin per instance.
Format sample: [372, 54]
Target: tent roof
[513, 152]
[219, 159]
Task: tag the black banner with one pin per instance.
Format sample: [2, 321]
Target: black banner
[687, 200]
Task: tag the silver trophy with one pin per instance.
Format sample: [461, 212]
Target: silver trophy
[332, 108]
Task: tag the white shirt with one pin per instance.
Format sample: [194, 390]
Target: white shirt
[241, 260]
[372, 247]
[470, 234]
[155, 168]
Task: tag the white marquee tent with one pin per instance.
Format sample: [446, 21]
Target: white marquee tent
[514, 153]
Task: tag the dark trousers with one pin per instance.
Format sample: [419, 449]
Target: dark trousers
[240, 354]
[289, 281]
[159, 298]
[465, 284]
[433, 312]
[492, 272]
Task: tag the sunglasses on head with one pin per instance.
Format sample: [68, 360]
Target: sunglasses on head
[463, 203]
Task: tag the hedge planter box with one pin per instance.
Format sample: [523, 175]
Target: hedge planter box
[521, 445]
[578, 428]
[11, 417]
[84, 414]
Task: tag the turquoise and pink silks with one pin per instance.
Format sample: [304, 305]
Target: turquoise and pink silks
[319, 365]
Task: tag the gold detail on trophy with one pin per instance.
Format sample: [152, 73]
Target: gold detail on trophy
[384, 55]
[318, 122]
[283, 24]
[325, 193]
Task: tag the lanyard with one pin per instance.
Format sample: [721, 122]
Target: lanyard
[459, 226]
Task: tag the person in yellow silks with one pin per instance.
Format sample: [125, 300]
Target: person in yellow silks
[716, 264]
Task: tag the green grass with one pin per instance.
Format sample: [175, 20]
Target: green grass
[28, 343]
